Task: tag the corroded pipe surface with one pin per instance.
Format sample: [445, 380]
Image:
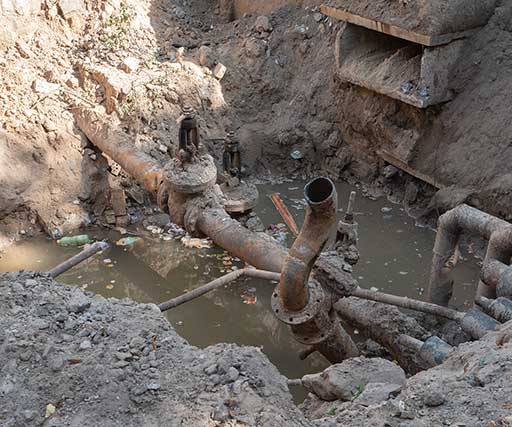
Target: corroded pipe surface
[116, 144]
[408, 303]
[384, 324]
[315, 232]
[498, 249]
[301, 302]
[258, 250]
[451, 225]
[500, 308]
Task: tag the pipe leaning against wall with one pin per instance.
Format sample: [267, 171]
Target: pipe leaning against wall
[451, 225]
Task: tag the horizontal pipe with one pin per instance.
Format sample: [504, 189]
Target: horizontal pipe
[120, 148]
[77, 259]
[258, 250]
[215, 284]
[500, 308]
[408, 303]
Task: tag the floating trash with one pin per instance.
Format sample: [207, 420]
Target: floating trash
[192, 242]
[296, 155]
[79, 240]
[128, 241]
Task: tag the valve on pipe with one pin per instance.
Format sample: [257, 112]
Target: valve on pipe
[231, 158]
[188, 135]
[240, 195]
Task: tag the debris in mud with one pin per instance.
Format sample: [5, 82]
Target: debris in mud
[128, 241]
[196, 243]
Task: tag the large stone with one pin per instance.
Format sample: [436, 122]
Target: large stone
[262, 24]
[219, 71]
[349, 379]
[205, 56]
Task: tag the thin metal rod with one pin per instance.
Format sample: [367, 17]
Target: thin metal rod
[285, 214]
[408, 303]
[217, 283]
[349, 214]
[77, 259]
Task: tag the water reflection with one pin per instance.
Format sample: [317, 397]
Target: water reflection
[395, 258]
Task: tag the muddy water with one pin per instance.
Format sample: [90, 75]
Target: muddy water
[395, 257]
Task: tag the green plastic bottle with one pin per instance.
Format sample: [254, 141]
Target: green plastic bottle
[79, 240]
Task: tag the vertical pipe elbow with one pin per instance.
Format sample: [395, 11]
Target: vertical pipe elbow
[318, 227]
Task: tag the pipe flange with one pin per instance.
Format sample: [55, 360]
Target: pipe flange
[316, 300]
[324, 324]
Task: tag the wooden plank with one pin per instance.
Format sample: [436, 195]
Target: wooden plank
[393, 30]
[400, 164]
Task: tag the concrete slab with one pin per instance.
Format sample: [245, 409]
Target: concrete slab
[398, 68]
[423, 17]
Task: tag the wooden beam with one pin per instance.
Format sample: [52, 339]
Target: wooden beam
[400, 164]
[393, 30]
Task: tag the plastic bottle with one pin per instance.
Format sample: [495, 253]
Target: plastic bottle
[79, 240]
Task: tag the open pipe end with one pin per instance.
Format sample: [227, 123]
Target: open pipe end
[319, 190]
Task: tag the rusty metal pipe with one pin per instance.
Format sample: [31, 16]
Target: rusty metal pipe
[301, 302]
[316, 231]
[143, 168]
[499, 249]
[450, 227]
[258, 250]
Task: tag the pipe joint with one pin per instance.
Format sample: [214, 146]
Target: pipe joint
[317, 300]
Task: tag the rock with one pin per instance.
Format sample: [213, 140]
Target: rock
[255, 48]
[390, 171]
[318, 16]
[72, 82]
[137, 343]
[56, 363]
[29, 414]
[123, 356]
[262, 24]
[343, 381]
[255, 224]
[433, 398]
[130, 65]
[204, 56]
[41, 324]
[219, 71]
[23, 49]
[233, 374]
[154, 386]
[43, 87]
[116, 84]
[85, 345]
[73, 12]
[78, 303]
[118, 201]
[375, 393]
